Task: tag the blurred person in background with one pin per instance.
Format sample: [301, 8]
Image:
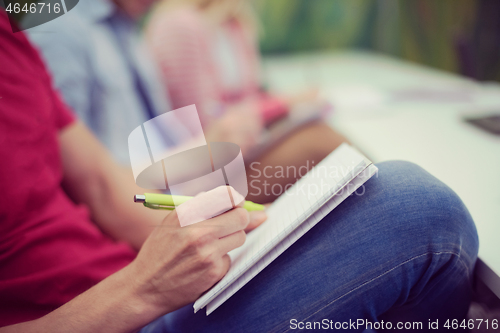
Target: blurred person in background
[105, 73]
[208, 55]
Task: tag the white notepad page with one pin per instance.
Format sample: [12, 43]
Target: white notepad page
[290, 217]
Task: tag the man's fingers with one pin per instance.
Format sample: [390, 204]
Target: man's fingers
[225, 264]
[207, 206]
[231, 242]
[228, 223]
[256, 218]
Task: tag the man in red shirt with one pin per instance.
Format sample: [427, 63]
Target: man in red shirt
[69, 236]
[49, 252]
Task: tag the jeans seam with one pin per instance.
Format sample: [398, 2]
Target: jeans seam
[463, 263]
[384, 273]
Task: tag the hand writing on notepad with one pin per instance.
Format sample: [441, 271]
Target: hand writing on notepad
[177, 264]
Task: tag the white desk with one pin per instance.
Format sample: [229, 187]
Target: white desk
[427, 129]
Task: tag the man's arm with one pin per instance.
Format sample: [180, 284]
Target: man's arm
[112, 305]
[92, 177]
[173, 268]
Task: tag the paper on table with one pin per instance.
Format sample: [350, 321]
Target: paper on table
[304, 202]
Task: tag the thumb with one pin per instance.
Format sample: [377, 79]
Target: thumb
[256, 218]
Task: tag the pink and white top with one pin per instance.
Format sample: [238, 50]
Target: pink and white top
[208, 67]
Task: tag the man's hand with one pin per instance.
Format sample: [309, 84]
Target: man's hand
[177, 264]
[174, 267]
[257, 217]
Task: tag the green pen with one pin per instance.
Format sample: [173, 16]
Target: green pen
[166, 201]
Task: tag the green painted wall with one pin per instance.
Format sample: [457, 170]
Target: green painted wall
[455, 35]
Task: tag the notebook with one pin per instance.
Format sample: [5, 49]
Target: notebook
[294, 213]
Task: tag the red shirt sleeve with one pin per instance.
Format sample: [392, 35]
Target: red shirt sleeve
[62, 113]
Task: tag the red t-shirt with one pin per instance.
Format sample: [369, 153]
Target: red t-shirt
[49, 249]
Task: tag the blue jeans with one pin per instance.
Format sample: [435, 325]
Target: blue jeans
[403, 252]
